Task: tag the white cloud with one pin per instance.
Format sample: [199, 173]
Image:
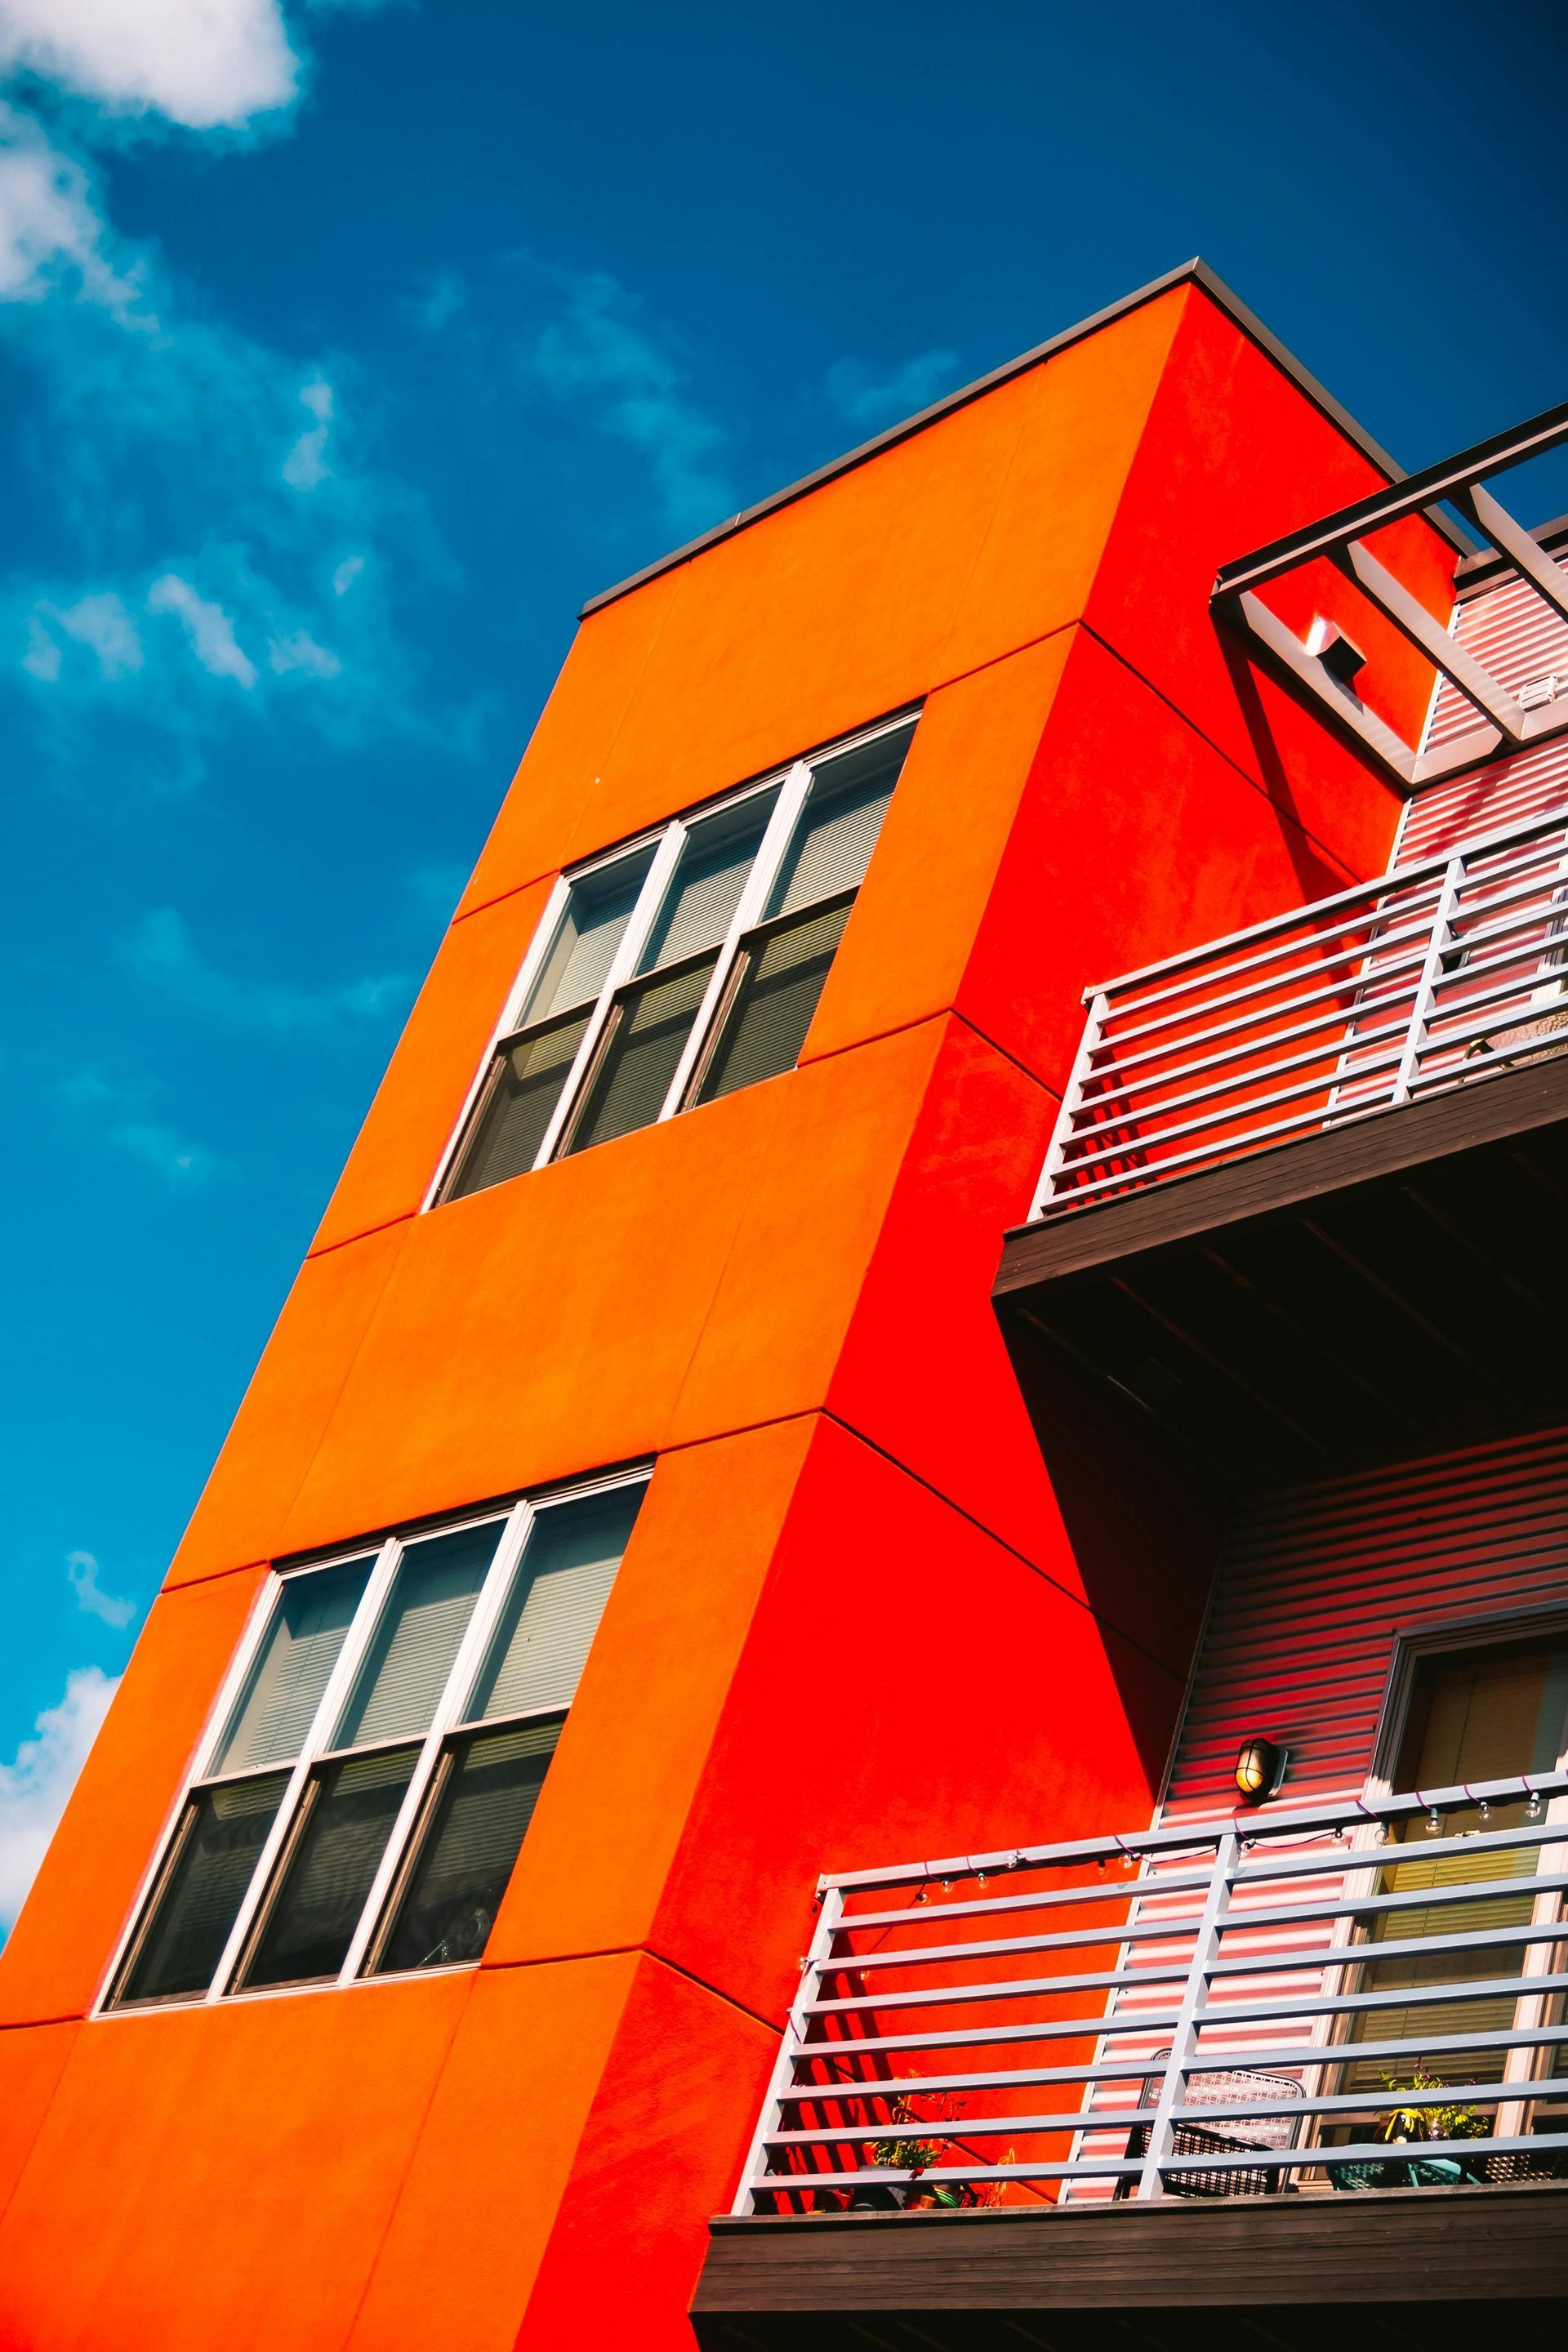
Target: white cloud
[43, 659]
[174, 1157]
[34, 1786]
[116, 1113]
[347, 572]
[869, 398]
[160, 951]
[81, 1568]
[300, 652]
[102, 625]
[206, 64]
[208, 626]
[306, 464]
[52, 236]
[603, 360]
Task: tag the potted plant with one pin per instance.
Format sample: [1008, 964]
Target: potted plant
[1407, 2127]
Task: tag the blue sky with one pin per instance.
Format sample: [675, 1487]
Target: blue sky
[345, 350]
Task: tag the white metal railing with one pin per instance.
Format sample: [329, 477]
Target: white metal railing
[1431, 977]
[1352, 1996]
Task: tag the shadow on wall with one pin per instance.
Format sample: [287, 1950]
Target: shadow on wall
[1316, 877]
[1146, 1523]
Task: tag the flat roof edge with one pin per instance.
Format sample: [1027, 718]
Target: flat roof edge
[1196, 272]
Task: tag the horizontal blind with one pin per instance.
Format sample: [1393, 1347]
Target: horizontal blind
[300, 1648]
[706, 886]
[1318, 1582]
[421, 1621]
[477, 1825]
[583, 947]
[837, 829]
[648, 1032]
[781, 981]
[555, 1605]
[199, 1900]
[352, 1809]
[523, 1093]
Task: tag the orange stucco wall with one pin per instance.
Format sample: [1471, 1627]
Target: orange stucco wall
[864, 1612]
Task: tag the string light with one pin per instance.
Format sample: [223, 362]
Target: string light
[1433, 1823]
[1532, 1810]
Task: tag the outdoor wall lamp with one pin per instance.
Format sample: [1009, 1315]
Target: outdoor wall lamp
[1259, 1768]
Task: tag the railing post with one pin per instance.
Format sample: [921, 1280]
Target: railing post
[1183, 2040]
[829, 1920]
[1072, 1102]
[1438, 946]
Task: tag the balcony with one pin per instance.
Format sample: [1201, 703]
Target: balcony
[1305, 1202]
[1290, 2064]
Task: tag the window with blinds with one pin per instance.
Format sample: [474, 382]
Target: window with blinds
[1474, 1716]
[676, 972]
[368, 1785]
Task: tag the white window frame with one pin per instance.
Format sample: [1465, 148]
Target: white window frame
[516, 1522]
[791, 784]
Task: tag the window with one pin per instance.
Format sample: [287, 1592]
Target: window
[369, 1784]
[677, 971]
[1492, 1713]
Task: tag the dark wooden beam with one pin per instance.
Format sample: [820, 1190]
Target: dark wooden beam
[1507, 1104]
[1407, 2258]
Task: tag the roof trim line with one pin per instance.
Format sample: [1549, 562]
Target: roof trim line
[1196, 272]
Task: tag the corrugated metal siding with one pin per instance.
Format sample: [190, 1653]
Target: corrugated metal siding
[1510, 630]
[1318, 1582]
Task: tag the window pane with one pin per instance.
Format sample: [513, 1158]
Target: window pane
[516, 1108]
[839, 824]
[580, 957]
[556, 1601]
[349, 1811]
[421, 1621]
[647, 1030]
[301, 1649]
[708, 882]
[204, 1885]
[781, 980]
[1483, 1715]
[484, 1806]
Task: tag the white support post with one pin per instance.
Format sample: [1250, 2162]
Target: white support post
[1438, 946]
[1072, 1102]
[1194, 1994]
[793, 2046]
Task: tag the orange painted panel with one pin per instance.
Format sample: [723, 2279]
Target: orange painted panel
[977, 536]
[599, 1848]
[493, 2157]
[912, 932]
[662, 2151]
[812, 1213]
[601, 1308]
[819, 617]
[538, 1328]
[576, 734]
[1235, 455]
[1134, 839]
[416, 1106]
[923, 1371]
[32, 2059]
[1087, 410]
[55, 1958]
[208, 2178]
[909, 1687]
[285, 1410]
